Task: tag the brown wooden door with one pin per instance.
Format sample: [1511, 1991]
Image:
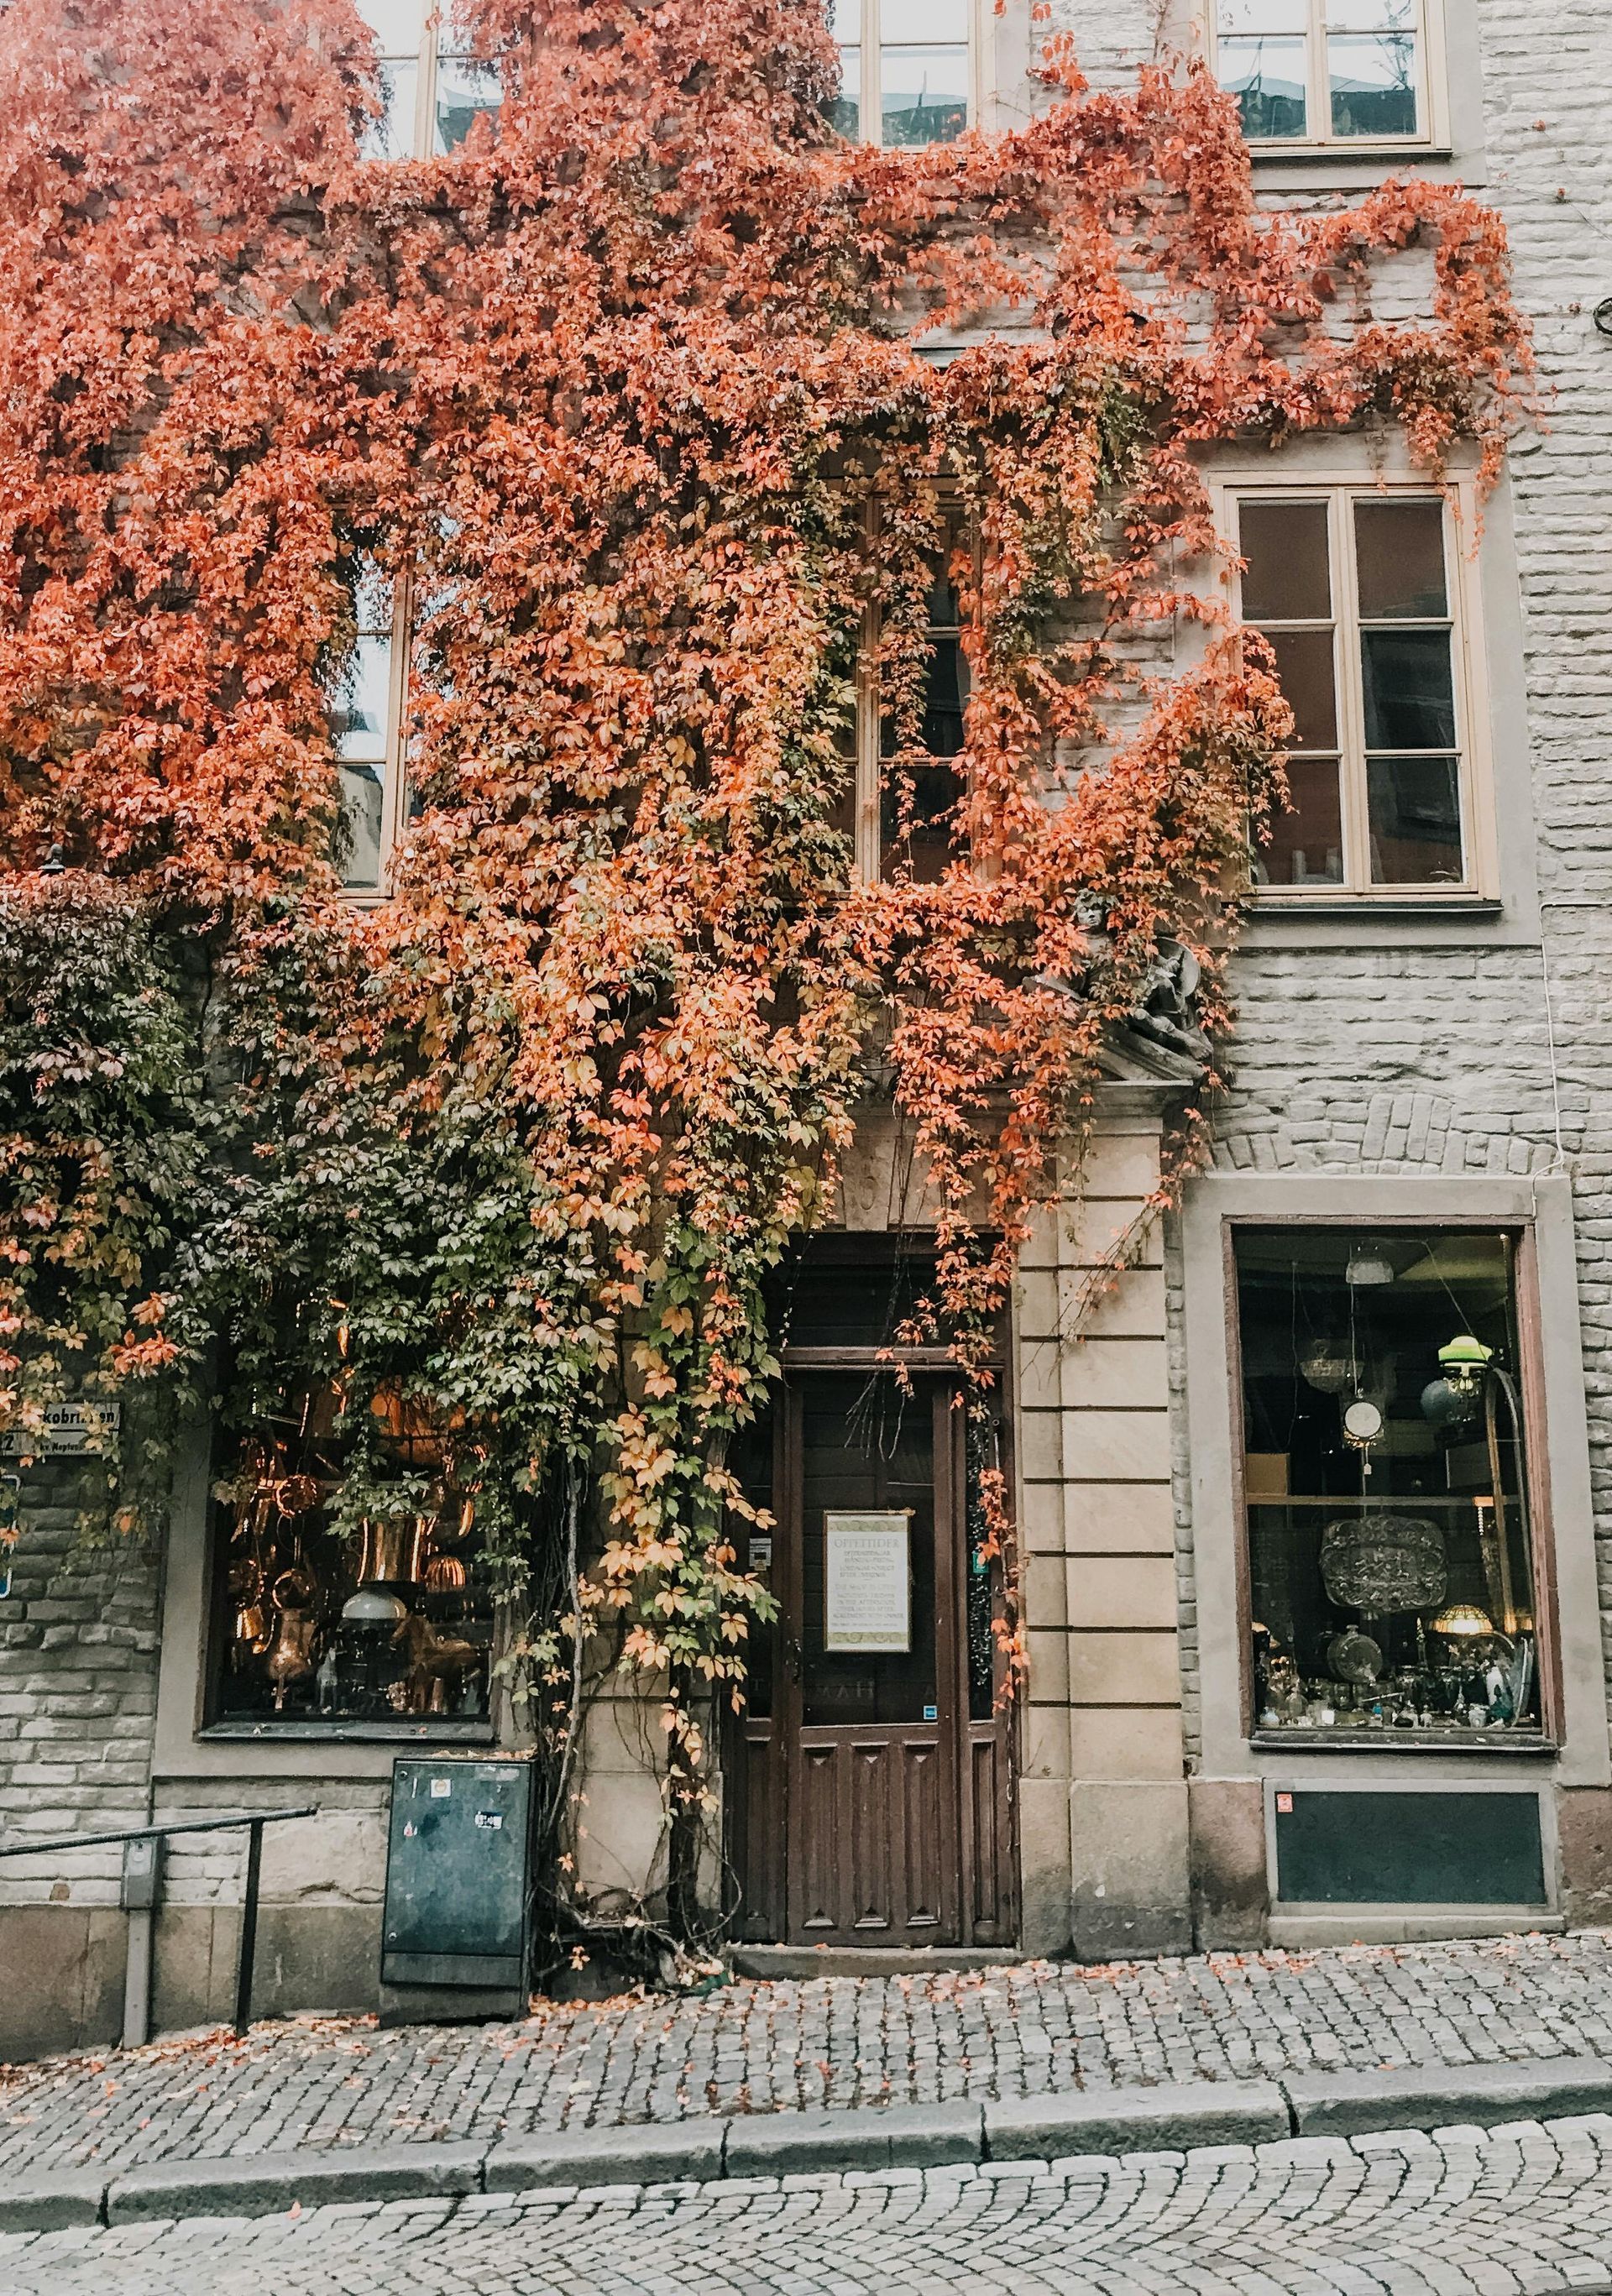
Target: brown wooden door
[871, 1796]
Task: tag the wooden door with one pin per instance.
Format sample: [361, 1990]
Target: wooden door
[871, 1792]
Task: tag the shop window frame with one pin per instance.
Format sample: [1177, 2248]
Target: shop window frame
[1548, 1743]
[1433, 92]
[1340, 487]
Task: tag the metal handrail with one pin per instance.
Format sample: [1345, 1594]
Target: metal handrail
[137, 1983]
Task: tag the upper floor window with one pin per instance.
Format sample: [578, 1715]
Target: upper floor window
[902, 812]
[1326, 71]
[1359, 593]
[433, 88]
[368, 723]
[904, 70]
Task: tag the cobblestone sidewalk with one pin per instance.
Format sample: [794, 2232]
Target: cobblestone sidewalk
[1467, 2212]
[1002, 2032]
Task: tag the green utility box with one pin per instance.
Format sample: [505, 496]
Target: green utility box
[456, 1938]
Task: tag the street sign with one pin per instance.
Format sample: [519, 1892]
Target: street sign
[71, 1430]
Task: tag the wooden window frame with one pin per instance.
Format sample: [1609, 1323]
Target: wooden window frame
[867, 855]
[1432, 89]
[870, 97]
[1340, 489]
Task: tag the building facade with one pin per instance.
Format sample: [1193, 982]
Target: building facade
[1314, 1502]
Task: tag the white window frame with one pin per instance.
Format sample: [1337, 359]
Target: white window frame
[428, 60]
[394, 755]
[1432, 93]
[1340, 489]
[871, 113]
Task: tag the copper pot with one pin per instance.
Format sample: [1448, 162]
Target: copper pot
[393, 1550]
[291, 1652]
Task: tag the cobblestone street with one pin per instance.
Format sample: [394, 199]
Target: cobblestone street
[1012, 2031]
[1465, 2213]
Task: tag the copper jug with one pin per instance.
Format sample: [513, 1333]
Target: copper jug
[292, 1653]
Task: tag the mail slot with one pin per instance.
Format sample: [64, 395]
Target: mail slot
[458, 1877]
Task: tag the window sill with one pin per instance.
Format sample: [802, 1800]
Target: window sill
[1331, 906]
[1515, 1744]
[1364, 151]
[438, 1728]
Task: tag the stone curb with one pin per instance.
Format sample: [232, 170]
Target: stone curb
[1107, 2122]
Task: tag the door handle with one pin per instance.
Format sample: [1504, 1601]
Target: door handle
[792, 1656]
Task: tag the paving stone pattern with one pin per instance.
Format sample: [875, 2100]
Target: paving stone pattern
[1465, 2212]
[1014, 2032]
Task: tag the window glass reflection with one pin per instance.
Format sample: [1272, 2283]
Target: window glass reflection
[1267, 78]
[1372, 85]
[466, 91]
[924, 94]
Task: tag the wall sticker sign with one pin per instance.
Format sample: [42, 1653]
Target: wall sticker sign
[867, 1582]
[71, 1430]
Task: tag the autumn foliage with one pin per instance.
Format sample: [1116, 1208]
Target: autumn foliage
[612, 388]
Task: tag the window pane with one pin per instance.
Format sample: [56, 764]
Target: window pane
[1373, 85]
[1306, 845]
[1372, 15]
[1263, 16]
[1287, 579]
[464, 90]
[1305, 665]
[321, 1629]
[1409, 697]
[1389, 1563]
[363, 804]
[359, 717]
[1399, 549]
[923, 23]
[1416, 828]
[945, 691]
[397, 25]
[845, 111]
[845, 21]
[392, 135]
[925, 95]
[1267, 78]
[917, 809]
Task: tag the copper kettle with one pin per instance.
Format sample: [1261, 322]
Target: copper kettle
[291, 1652]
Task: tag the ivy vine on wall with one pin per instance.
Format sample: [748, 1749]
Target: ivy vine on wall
[620, 388]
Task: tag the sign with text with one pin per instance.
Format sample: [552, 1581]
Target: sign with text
[867, 1582]
[71, 1430]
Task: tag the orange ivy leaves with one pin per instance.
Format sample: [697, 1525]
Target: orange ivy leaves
[609, 390]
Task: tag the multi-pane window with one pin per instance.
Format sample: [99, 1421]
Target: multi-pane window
[1319, 71]
[904, 70]
[433, 88]
[902, 812]
[366, 722]
[1355, 591]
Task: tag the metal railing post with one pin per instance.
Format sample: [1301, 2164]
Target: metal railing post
[249, 1924]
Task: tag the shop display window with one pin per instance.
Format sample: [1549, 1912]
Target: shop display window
[1390, 1542]
[361, 1629]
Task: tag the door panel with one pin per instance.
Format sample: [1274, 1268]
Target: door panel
[875, 1804]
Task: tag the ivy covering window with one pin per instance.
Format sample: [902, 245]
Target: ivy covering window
[367, 723]
[904, 70]
[1390, 1562]
[1355, 593]
[326, 1626]
[901, 811]
[433, 88]
[1309, 72]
